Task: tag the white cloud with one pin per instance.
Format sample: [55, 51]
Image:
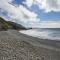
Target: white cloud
[18, 13]
[27, 17]
[48, 24]
[46, 5]
[28, 2]
[52, 24]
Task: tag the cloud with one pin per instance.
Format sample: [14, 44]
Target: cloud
[29, 3]
[46, 5]
[21, 14]
[48, 24]
[17, 13]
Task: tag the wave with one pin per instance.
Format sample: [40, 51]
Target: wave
[43, 34]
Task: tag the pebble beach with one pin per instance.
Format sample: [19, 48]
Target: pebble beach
[18, 46]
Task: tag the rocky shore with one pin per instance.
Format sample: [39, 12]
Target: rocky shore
[17, 46]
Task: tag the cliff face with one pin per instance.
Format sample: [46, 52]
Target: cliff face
[4, 25]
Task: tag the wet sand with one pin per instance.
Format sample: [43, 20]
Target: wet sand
[18, 46]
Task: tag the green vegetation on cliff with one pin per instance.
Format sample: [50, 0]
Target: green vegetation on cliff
[4, 25]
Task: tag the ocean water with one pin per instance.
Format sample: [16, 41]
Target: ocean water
[44, 33]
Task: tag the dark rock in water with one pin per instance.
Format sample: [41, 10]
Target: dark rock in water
[4, 25]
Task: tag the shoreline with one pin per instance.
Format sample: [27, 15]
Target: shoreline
[26, 47]
[53, 44]
[33, 34]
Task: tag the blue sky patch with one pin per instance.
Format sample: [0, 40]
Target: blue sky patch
[18, 2]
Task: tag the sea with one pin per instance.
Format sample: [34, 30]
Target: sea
[43, 33]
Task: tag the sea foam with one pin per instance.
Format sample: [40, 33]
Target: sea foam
[43, 34]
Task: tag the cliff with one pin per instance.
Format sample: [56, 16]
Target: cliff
[4, 25]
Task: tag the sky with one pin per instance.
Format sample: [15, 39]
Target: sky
[32, 13]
